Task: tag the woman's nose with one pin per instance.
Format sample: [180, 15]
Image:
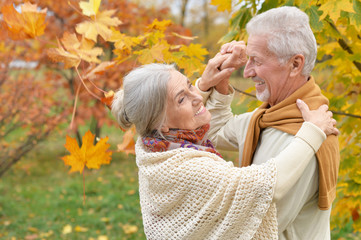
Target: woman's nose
[248, 71]
[197, 98]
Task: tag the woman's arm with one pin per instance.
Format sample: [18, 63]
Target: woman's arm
[293, 160]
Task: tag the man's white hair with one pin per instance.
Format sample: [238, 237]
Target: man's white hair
[288, 33]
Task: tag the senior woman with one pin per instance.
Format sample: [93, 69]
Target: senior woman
[187, 191]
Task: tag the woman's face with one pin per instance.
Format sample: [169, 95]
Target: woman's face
[185, 109]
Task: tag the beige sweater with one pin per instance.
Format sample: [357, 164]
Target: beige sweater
[190, 194]
[298, 215]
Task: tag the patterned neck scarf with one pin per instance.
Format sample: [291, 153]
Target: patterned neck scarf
[176, 138]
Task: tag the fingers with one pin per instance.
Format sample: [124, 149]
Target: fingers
[225, 73]
[229, 47]
[323, 107]
[303, 107]
[217, 60]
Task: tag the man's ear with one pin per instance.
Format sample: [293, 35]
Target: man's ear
[297, 63]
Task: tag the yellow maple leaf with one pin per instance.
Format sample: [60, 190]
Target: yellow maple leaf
[88, 155]
[29, 23]
[159, 25]
[123, 41]
[98, 25]
[74, 51]
[222, 5]
[191, 66]
[333, 8]
[155, 53]
[194, 50]
[90, 8]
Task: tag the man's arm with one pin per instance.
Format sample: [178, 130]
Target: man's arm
[227, 131]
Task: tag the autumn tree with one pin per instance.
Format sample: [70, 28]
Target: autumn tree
[336, 25]
[92, 44]
[30, 106]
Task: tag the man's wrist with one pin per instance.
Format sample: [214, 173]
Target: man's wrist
[223, 88]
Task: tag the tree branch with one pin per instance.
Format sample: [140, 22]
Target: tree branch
[334, 112]
[345, 46]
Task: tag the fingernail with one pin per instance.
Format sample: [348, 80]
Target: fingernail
[299, 100]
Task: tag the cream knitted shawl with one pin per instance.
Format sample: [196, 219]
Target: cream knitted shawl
[190, 194]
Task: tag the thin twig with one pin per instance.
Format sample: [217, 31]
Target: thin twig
[81, 79]
[74, 108]
[334, 112]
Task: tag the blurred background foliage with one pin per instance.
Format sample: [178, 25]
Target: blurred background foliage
[40, 200]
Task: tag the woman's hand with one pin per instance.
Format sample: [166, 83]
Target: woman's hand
[321, 117]
[213, 75]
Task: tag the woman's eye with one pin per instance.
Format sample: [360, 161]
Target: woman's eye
[190, 85]
[181, 100]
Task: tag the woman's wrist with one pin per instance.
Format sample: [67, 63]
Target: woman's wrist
[311, 134]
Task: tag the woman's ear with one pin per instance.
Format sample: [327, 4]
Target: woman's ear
[297, 63]
[164, 128]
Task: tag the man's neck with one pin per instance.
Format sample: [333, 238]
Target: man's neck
[294, 85]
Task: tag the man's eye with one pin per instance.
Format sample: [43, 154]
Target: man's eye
[181, 100]
[190, 85]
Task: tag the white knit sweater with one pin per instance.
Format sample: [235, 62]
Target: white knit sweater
[190, 194]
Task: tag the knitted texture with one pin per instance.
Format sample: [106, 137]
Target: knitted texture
[190, 194]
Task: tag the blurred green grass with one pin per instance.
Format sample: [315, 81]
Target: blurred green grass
[39, 199]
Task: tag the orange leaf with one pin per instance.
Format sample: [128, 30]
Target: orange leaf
[108, 99]
[355, 214]
[88, 155]
[159, 25]
[128, 143]
[74, 51]
[29, 23]
[99, 70]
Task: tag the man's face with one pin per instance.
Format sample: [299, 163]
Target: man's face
[270, 77]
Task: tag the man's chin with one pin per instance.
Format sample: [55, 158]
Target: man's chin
[263, 96]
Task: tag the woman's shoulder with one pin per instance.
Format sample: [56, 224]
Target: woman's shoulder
[145, 156]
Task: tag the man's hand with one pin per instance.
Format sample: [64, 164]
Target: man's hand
[320, 117]
[238, 56]
[214, 76]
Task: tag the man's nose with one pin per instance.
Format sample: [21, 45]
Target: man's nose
[248, 71]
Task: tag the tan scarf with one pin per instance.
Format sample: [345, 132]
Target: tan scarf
[285, 116]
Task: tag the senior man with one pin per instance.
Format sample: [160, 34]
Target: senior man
[281, 54]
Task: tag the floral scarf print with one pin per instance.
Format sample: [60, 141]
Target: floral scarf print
[176, 138]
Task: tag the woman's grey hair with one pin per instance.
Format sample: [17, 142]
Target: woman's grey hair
[288, 33]
[142, 101]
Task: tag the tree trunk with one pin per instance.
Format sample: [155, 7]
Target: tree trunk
[183, 12]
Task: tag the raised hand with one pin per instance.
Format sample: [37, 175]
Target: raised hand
[213, 75]
[238, 57]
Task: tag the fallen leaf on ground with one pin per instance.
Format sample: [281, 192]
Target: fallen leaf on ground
[67, 229]
[129, 229]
